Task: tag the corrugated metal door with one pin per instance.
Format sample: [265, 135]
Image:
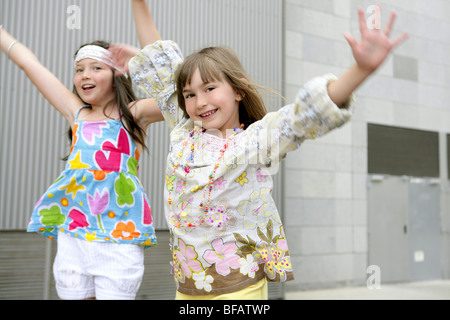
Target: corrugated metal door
[33, 135]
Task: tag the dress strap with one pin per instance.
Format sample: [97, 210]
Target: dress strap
[78, 111]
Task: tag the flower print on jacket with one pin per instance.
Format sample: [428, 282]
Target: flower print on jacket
[219, 184]
[276, 262]
[269, 250]
[242, 178]
[203, 281]
[256, 209]
[219, 218]
[185, 261]
[249, 266]
[260, 175]
[223, 255]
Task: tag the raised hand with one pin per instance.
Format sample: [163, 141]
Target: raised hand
[375, 44]
[122, 54]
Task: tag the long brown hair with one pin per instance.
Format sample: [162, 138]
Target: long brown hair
[124, 95]
[217, 64]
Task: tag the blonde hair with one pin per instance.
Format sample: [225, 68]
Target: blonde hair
[217, 64]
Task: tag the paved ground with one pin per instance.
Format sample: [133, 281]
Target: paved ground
[427, 290]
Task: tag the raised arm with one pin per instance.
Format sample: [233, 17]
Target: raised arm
[369, 54]
[145, 29]
[145, 26]
[147, 110]
[50, 87]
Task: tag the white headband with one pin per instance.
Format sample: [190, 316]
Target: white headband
[97, 53]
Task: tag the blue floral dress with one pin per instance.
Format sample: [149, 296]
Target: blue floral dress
[98, 196]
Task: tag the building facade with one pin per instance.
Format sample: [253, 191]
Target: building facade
[359, 199]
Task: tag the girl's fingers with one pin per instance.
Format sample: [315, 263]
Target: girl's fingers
[387, 29]
[362, 22]
[351, 40]
[400, 39]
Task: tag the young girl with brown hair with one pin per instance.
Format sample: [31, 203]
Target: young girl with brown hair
[227, 235]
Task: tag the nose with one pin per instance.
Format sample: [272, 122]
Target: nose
[86, 74]
[201, 100]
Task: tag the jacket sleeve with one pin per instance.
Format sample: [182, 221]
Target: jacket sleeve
[313, 114]
[153, 71]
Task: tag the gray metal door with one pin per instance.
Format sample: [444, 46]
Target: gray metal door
[388, 218]
[405, 228]
[424, 230]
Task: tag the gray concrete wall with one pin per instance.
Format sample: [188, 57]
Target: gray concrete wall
[325, 199]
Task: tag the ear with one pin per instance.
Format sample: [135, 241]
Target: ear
[240, 94]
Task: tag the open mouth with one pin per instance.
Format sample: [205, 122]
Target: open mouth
[87, 87]
[208, 114]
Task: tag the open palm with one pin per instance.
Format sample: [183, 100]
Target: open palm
[375, 45]
[122, 54]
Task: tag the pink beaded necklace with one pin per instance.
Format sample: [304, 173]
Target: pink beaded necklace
[182, 216]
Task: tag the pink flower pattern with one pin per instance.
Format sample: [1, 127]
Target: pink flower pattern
[223, 255]
[260, 176]
[186, 258]
[219, 184]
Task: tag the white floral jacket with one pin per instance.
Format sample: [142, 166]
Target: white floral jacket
[241, 239]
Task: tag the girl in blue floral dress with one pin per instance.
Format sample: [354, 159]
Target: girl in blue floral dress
[96, 208]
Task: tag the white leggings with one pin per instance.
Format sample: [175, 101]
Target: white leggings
[100, 270]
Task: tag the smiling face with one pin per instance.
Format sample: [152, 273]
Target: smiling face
[214, 103]
[93, 81]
